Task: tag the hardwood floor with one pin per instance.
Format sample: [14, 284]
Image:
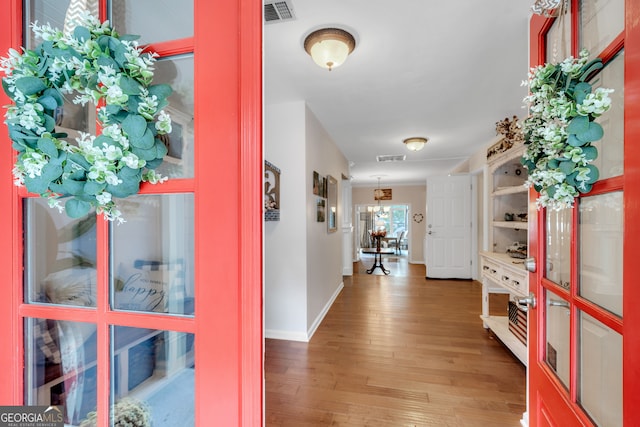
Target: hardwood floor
[397, 350]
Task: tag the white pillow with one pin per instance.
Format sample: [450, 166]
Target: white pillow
[142, 289]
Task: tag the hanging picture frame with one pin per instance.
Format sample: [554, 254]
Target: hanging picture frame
[317, 184]
[382, 194]
[332, 204]
[271, 192]
[320, 209]
[323, 191]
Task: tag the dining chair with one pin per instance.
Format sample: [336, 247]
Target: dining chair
[398, 242]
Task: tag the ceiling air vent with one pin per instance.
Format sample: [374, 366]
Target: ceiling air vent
[391, 158]
[277, 11]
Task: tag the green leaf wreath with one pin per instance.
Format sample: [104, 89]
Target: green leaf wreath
[560, 129]
[96, 65]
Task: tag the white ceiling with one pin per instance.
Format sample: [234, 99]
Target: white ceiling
[447, 70]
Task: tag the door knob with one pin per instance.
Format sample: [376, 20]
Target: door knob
[530, 265]
[430, 232]
[527, 302]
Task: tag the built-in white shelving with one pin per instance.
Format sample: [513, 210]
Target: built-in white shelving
[506, 215]
[499, 325]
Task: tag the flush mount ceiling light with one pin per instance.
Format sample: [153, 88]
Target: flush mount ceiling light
[329, 47]
[415, 143]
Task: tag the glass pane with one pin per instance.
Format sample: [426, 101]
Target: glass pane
[71, 117]
[153, 22]
[558, 336]
[153, 375]
[601, 250]
[153, 254]
[178, 72]
[60, 366]
[54, 12]
[558, 39]
[558, 232]
[59, 256]
[398, 231]
[610, 161]
[600, 23]
[600, 372]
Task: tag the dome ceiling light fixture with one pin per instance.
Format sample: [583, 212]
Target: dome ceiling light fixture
[415, 143]
[329, 47]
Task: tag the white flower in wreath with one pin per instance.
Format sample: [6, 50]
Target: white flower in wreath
[164, 123]
[104, 197]
[132, 161]
[33, 164]
[596, 103]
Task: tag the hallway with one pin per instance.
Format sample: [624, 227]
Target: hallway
[396, 350]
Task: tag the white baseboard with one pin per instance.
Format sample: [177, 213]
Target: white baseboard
[285, 335]
[325, 310]
[301, 336]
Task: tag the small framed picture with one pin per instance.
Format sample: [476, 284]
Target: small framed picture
[316, 183]
[382, 194]
[332, 204]
[323, 191]
[271, 192]
[320, 210]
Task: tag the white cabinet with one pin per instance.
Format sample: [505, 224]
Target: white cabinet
[502, 260]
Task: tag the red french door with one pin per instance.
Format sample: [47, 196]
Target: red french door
[163, 312]
[583, 338]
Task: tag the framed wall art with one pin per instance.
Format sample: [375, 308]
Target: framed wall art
[271, 192]
[316, 183]
[320, 209]
[332, 204]
[382, 194]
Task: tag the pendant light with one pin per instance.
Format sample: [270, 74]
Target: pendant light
[381, 211]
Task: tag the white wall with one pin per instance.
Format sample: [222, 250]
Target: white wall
[285, 248]
[324, 250]
[413, 195]
[302, 262]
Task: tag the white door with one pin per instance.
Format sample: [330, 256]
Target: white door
[448, 239]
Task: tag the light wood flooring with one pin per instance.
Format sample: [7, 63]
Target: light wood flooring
[397, 350]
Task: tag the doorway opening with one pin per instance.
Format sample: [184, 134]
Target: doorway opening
[394, 219]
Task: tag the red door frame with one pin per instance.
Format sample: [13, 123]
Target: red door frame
[10, 233]
[541, 381]
[631, 340]
[228, 327]
[228, 52]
